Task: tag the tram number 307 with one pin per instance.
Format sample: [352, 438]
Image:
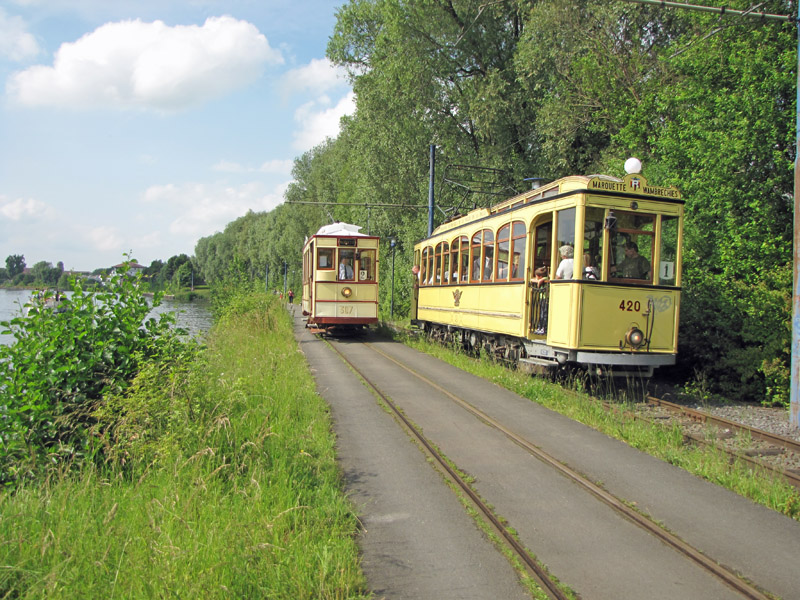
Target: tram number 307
[345, 310]
[630, 305]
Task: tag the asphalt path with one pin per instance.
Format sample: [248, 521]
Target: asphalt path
[418, 541]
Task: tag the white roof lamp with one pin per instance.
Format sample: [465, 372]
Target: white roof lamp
[633, 165]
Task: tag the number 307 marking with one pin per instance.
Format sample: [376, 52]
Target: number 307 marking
[345, 310]
[630, 305]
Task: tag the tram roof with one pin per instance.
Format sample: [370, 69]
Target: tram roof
[341, 229]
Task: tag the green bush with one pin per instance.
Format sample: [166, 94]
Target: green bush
[65, 359]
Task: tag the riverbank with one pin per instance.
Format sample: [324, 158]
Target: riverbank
[222, 483]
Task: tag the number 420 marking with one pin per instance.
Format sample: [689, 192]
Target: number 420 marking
[630, 305]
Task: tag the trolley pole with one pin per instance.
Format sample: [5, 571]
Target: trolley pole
[285, 270]
[430, 190]
[794, 393]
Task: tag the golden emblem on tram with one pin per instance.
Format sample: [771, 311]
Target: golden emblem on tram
[456, 297]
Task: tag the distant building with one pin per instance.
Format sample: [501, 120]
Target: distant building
[133, 268]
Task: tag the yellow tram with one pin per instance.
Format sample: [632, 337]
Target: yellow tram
[340, 278]
[585, 270]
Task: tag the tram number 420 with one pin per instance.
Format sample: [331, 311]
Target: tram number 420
[630, 305]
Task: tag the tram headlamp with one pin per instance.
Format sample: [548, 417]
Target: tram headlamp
[634, 338]
[347, 292]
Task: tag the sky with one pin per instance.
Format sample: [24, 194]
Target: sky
[140, 126]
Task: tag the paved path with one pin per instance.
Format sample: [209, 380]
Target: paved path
[418, 536]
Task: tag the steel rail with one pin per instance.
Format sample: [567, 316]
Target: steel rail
[780, 441]
[731, 579]
[704, 417]
[535, 570]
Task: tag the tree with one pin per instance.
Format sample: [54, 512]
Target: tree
[15, 264]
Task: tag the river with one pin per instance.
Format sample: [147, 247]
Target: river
[195, 317]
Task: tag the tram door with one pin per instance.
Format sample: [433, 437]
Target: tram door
[415, 287]
[542, 248]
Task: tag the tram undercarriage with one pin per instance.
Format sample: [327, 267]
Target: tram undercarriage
[536, 357]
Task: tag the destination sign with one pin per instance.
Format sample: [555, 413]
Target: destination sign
[633, 184]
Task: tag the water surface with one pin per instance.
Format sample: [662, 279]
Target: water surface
[195, 317]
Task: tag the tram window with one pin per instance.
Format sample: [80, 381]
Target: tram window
[632, 246]
[346, 264]
[593, 243]
[454, 248]
[475, 258]
[669, 251]
[566, 237]
[518, 239]
[366, 265]
[488, 254]
[503, 245]
[445, 263]
[437, 279]
[325, 258]
[423, 269]
[542, 236]
[464, 259]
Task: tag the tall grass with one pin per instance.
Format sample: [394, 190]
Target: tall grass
[221, 482]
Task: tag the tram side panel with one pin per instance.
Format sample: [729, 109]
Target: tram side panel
[490, 308]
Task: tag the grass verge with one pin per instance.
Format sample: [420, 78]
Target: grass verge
[222, 483]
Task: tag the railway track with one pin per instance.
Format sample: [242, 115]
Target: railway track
[760, 449]
[700, 559]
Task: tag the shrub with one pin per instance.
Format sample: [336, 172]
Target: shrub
[65, 359]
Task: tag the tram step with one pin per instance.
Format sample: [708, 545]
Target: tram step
[536, 366]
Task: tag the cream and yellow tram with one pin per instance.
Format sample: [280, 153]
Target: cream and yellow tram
[585, 270]
[340, 278]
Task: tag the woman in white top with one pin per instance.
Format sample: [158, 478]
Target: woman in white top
[565, 267]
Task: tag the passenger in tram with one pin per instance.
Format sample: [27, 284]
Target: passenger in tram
[515, 267]
[345, 269]
[539, 277]
[487, 268]
[502, 271]
[566, 266]
[540, 300]
[633, 266]
[589, 270]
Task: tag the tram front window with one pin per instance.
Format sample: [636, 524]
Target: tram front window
[346, 268]
[325, 258]
[669, 251]
[632, 247]
[592, 256]
[366, 265]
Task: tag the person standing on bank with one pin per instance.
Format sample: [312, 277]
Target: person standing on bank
[565, 267]
[291, 297]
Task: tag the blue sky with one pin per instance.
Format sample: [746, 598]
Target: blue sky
[144, 125]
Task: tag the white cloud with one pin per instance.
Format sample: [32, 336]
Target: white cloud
[203, 209]
[15, 41]
[132, 64]
[319, 76]
[16, 210]
[317, 122]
